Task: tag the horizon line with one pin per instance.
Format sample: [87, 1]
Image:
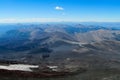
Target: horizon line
[63, 22]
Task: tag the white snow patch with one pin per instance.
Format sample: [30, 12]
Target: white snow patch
[20, 67]
[54, 68]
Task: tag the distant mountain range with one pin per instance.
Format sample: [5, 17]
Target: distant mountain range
[61, 43]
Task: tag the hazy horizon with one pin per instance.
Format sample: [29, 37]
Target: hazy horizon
[21, 11]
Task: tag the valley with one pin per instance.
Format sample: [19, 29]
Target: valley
[60, 52]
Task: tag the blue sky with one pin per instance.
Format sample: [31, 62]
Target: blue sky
[59, 10]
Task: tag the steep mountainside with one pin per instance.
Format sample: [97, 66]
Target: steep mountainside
[60, 42]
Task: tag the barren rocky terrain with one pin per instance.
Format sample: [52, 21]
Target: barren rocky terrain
[85, 52]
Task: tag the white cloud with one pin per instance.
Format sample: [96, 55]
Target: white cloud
[59, 8]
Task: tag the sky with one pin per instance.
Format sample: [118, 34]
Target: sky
[59, 11]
